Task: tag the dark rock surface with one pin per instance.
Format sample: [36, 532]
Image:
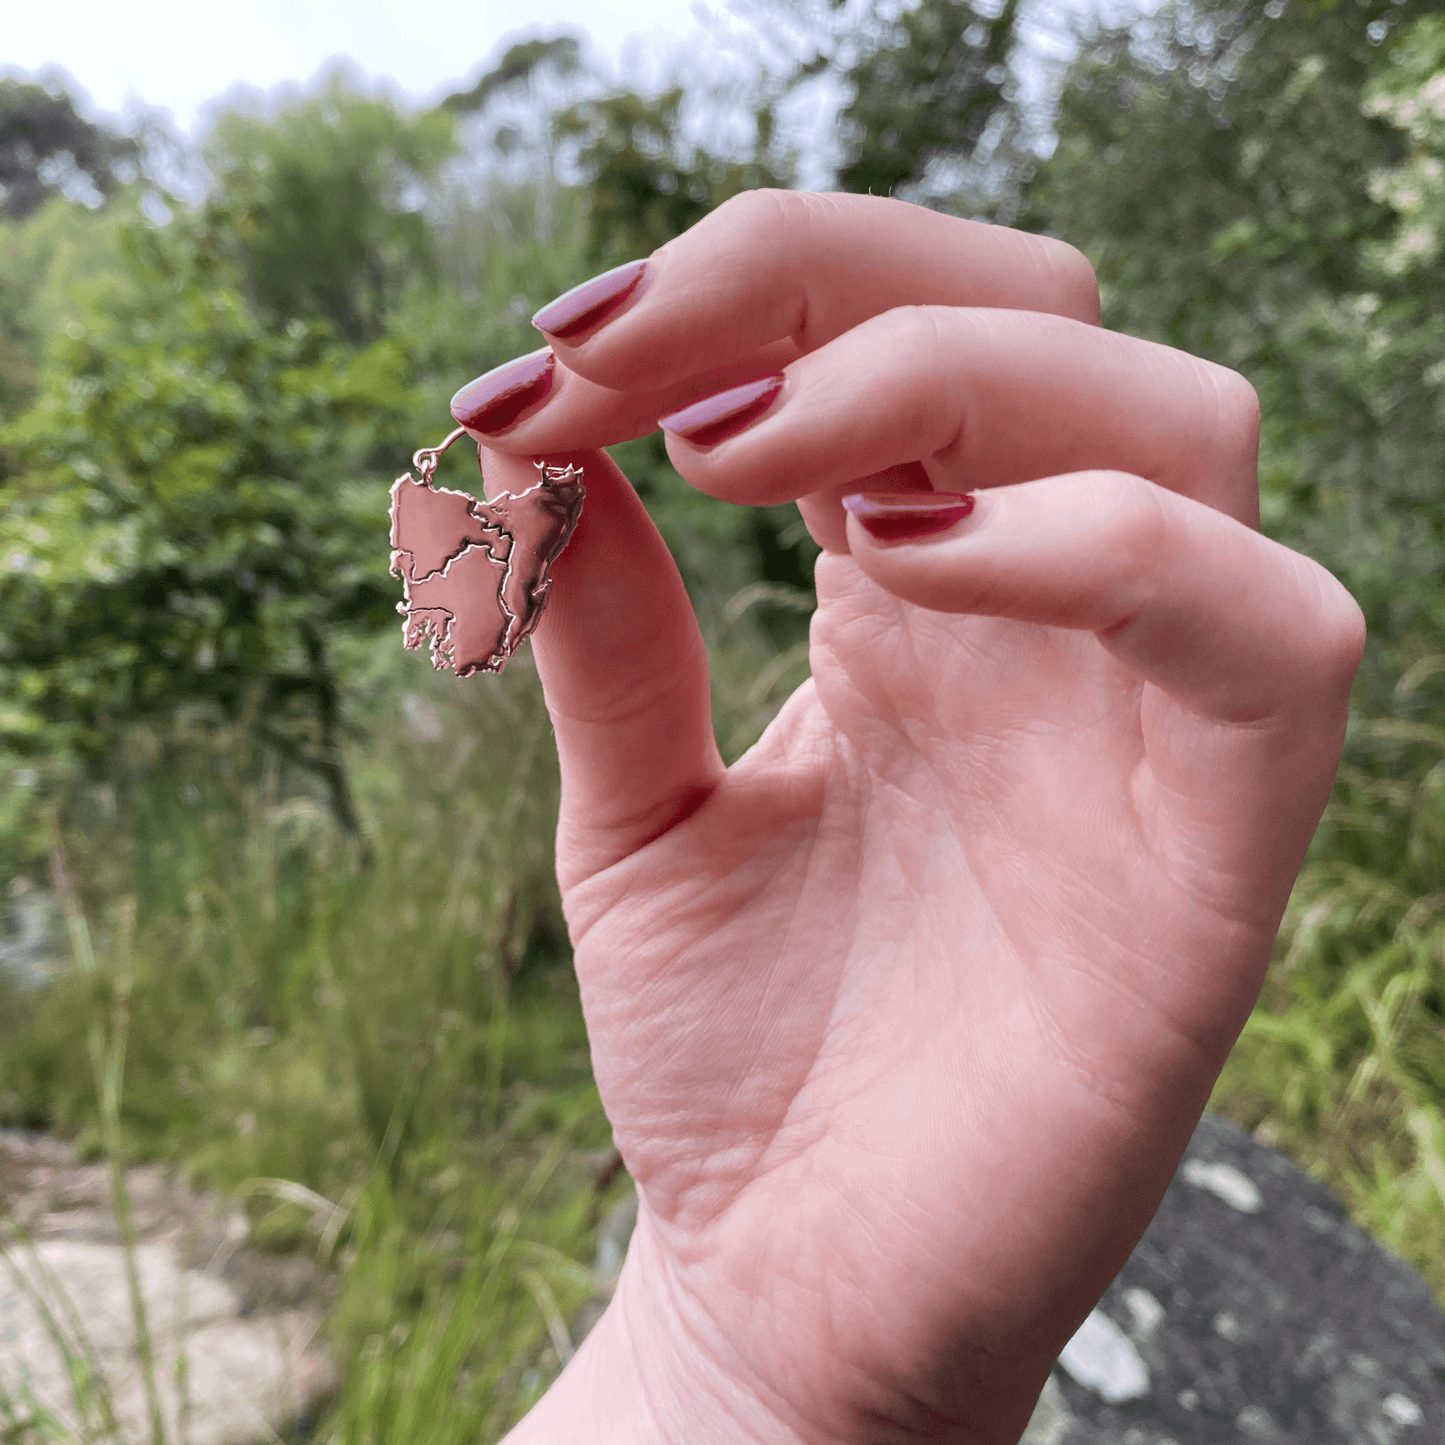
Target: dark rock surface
[1252, 1311]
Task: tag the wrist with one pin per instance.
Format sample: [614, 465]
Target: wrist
[642, 1378]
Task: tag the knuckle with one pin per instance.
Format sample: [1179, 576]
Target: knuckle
[759, 214]
[1341, 627]
[1154, 528]
[923, 331]
[1077, 281]
[1144, 540]
[1236, 415]
[928, 329]
[1327, 638]
[1238, 400]
[1143, 521]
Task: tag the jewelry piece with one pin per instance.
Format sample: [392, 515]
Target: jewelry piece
[476, 573]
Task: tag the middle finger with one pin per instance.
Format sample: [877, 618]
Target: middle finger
[974, 398]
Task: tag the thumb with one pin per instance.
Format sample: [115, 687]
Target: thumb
[624, 670]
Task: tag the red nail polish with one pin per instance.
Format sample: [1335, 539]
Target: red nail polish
[715, 418]
[905, 516]
[497, 399]
[586, 307]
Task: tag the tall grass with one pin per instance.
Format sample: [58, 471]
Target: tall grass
[107, 1026]
[389, 1032]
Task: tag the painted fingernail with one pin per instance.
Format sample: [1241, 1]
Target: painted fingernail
[905, 516]
[715, 418]
[498, 398]
[584, 308]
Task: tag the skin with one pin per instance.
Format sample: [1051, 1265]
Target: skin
[903, 1021]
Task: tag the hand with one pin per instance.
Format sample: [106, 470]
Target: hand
[903, 1021]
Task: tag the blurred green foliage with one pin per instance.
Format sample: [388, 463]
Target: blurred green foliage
[925, 92]
[321, 207]
[190, 521]
[645, 183]
[331, 868]
[45, 263]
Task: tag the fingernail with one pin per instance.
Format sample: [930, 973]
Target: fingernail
[904, 516]
[498, 398]
[715, 418]
[584, 308]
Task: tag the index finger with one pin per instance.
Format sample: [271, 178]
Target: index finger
[770, 266]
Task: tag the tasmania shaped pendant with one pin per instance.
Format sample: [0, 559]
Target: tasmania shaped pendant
[476, 574]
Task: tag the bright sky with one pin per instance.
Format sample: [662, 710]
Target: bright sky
[178, 54]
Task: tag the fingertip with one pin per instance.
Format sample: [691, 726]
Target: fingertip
[584, 310]
[498, 398]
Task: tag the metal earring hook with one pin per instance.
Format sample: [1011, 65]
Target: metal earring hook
[426, 458]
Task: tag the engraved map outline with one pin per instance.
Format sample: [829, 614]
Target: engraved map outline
[476, 573]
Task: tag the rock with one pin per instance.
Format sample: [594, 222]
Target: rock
[612, 1240]
[30, 945]
[612, 1237]
[1252, 1311]
[233, 1331]
[1051, 1419]
[66, 1301]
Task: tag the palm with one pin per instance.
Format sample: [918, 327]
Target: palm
[910, 927]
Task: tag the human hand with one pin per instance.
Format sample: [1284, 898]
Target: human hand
[903, 1022]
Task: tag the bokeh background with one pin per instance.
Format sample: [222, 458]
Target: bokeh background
[279, 901]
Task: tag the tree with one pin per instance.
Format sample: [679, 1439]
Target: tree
[48, 154]
[197, 522]
[46, 146]
[321, 207]
[506, 126]
[517, 68]
[924, 93]
[46, 260]
[646, 183]
[193, 498]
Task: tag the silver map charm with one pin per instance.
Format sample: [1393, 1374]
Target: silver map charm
[476, 573]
